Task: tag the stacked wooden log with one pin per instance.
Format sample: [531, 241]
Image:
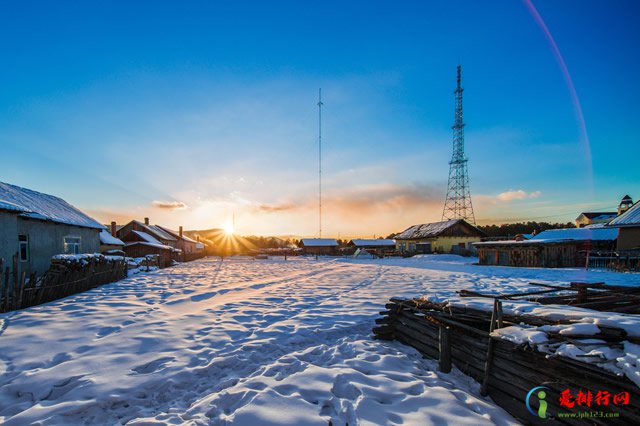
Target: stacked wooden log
[66, 276]
[507, 371]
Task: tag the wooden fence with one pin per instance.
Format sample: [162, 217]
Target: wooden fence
[65, 277]
[507, 371]
[614, 260]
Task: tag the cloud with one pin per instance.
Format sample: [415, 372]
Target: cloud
[273, 208]
[517, 195]
[170, 205]
[506, 196]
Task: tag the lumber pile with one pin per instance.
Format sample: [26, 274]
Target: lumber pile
[466, 338]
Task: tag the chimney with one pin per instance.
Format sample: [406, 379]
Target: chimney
[198, 238]
[146, 220]
[113, 229]
[180, 231]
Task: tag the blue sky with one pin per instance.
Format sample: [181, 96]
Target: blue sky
[189, 112]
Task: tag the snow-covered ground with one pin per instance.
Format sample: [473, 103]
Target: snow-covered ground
[248, 342]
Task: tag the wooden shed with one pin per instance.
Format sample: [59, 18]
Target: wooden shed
[319, 246]
[554, 248]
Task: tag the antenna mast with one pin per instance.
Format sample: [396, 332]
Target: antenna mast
[320, 162]
[458, 203]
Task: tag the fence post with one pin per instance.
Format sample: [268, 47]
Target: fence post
[496, 317]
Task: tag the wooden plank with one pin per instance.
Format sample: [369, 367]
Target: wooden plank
[445, 349]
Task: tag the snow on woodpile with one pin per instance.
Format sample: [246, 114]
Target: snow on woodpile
[37, 205]
[107, 239]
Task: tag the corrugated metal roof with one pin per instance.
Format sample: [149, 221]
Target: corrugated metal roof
[629, 218]
[36, 205]
[319, 242]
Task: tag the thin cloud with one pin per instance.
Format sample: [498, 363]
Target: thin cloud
[506, 197]
[517, 195]
[169, 205]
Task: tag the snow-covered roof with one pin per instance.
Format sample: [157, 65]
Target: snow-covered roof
[108, 239]
[430, 230]
[144, 243]
[629, 218]
[562, 235]
[577, 234]
[156, 230]
[36, 205]
[319, 242]
[147, 238]
[373, 242]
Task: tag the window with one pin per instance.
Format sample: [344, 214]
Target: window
[23, 248]
[72, 245]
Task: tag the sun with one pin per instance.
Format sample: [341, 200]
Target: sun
[228, 229]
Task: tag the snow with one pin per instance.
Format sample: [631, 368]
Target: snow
[242, 342]
[108, 239]
[577, 234]
[374, 242]
[319, 242]
[41, 206]
[426, 230]
[521, 335]
[147, 238]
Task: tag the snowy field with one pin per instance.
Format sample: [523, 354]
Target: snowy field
[248, 342]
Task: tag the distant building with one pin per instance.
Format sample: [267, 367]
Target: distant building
[554, 248]
[592, 218]
[36, 226]
[380, 247]
[628, 224]
[191, 249]
[109, 243]
[319, 246]
[449, 236]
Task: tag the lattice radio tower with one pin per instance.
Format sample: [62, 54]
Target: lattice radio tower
[458, 203]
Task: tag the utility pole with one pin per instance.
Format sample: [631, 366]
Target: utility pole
[320, 162]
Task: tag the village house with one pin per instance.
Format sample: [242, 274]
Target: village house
[142, 244]
[628, 225]
[142, 239]
[191, 249]
[554, 248]
[379, 247]
[36, 226]
[319, 246]
[450, 236]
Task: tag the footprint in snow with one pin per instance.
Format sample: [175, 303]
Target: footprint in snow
[153, 366]
[105, 331]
